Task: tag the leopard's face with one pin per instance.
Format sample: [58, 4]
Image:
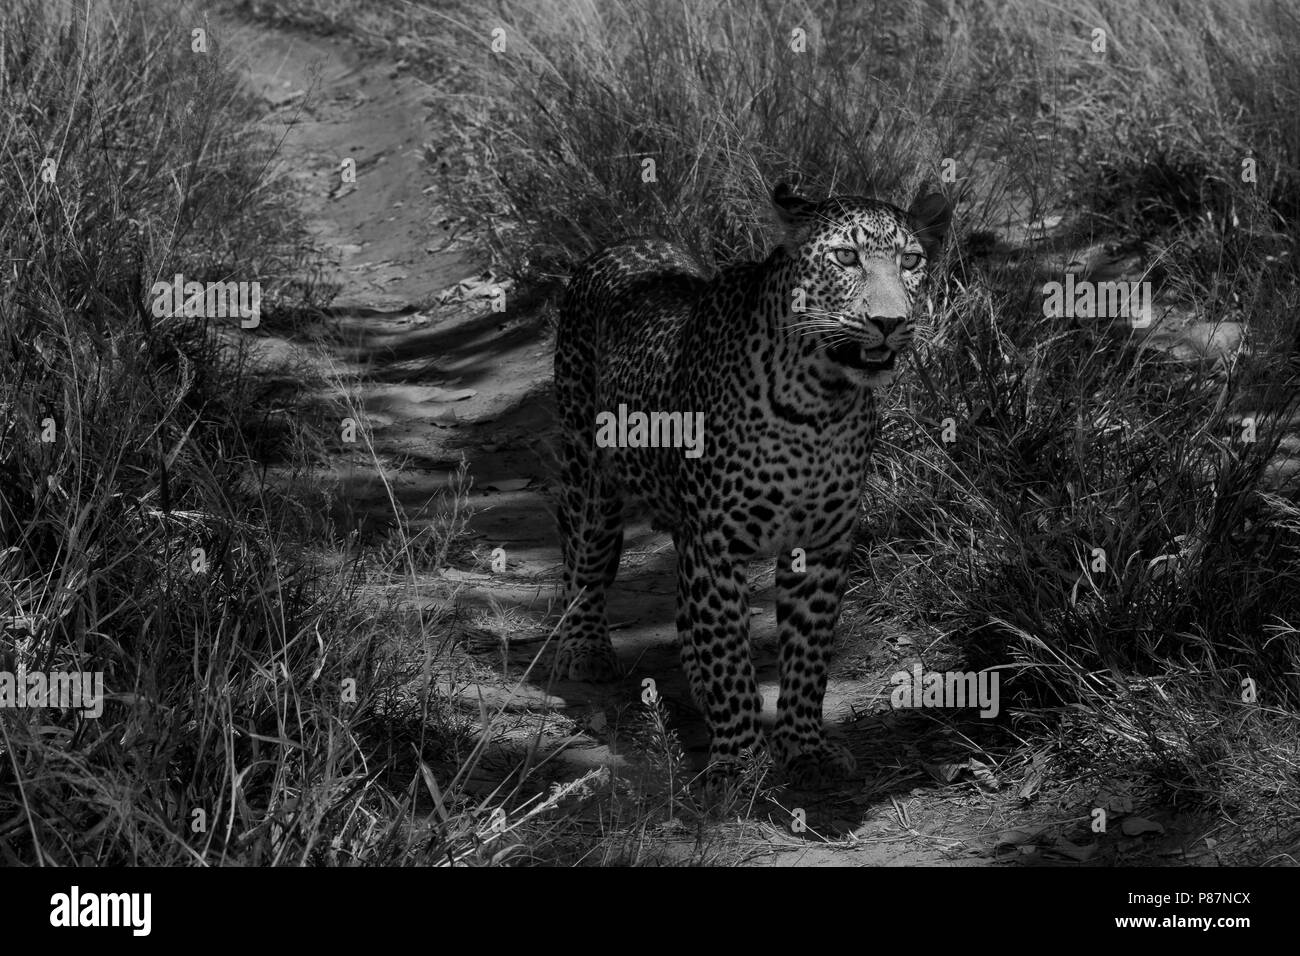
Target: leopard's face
[861, 264]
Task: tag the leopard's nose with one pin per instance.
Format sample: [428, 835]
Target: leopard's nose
[886, 326]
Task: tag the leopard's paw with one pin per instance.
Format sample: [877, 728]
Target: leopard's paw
[587, 660]
[730, 772]
[813, 764]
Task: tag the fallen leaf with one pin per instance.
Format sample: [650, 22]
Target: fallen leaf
[944, 772]
[455, 574]
[509, 484]
[450, 395]
[1116, 798]
[1033, 780]
[1017, 837]
[1136, 826]
[1075, 852]
[983, 774]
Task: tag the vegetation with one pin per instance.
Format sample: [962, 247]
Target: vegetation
[1107, 520]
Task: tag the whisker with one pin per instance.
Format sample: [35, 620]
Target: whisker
[815, 325]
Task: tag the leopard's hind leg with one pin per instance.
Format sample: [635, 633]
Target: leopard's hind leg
[590, 519]
[591, 529]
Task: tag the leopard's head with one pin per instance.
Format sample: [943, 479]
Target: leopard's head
[860, 264]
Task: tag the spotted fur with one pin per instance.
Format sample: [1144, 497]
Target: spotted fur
[785, 379]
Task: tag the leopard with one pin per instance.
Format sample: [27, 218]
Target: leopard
[780, 361]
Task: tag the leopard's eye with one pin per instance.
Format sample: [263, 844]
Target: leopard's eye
[912, 260]
[846, 257]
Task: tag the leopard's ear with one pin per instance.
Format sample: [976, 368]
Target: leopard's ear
[930, 216]
[794, 214]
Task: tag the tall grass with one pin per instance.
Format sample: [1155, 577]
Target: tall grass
[139, 535]
[1071, 437]
[1008, 104]
[136, 538]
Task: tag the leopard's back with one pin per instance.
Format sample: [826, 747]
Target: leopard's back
[619, 343]
[621, 320]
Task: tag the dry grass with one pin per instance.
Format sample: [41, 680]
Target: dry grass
[230, 733]
[1070, 435]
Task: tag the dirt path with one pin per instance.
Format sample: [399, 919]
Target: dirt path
[439, 380]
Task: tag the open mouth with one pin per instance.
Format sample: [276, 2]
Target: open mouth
[854, 355]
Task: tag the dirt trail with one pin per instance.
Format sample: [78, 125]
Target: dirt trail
[439, 381]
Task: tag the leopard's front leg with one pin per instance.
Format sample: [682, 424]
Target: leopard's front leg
[808, 605]
[713, 626]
